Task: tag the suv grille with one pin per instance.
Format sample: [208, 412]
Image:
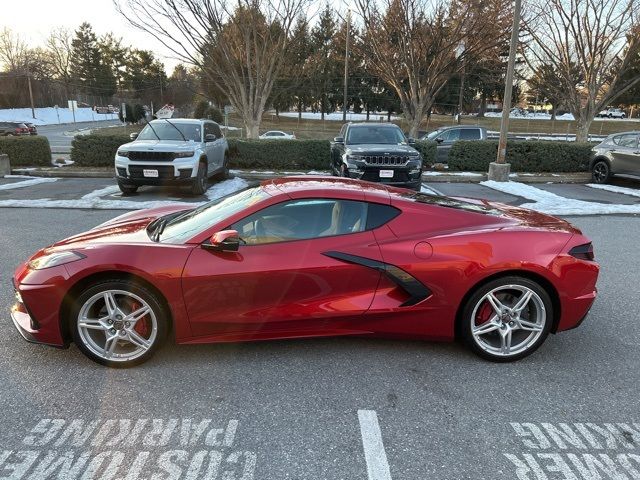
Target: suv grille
[384, 160]
[151, 156]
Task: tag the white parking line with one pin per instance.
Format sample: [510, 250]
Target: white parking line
[374, 454]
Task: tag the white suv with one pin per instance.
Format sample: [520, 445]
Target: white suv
[613, 113]
[176, 151]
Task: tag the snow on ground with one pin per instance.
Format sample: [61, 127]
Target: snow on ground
[547, 202]
[547, 116]
[337, 116]
[26, 183]
[615, 189]
[458, 174]
[51, 116]
[93, 199]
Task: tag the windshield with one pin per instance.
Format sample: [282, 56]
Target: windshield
[197, 221]
[433, 135]
[375, 134]
[165, 130]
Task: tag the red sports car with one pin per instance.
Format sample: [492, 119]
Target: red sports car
[305, 257]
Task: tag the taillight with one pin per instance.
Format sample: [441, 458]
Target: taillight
[583, 252]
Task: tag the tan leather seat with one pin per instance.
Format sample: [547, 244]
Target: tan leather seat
[336, 217]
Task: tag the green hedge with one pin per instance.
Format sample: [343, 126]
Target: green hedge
[524, 156]
[26, 151]
[428, 151]
[279, 154]
[96, 150]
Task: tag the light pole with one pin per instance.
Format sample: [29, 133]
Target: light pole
[499, 170]
[459, 53]
[346, 68]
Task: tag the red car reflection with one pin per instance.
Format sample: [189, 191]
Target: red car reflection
[304, 257]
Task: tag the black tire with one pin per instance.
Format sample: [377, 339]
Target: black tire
[200, 182]
[224, 174]
[600, 171]
[540, 303]
[127, 189]
[160, 320]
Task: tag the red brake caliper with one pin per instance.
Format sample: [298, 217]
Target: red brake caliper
[142, 326]
[484, 314]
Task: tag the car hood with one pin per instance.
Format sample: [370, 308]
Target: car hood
[378, 149]
[128, 228]
[159, 146]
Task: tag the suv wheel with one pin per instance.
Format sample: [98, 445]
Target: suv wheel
[600, 172]
[224, 174]
[200, 182]
[127, 189]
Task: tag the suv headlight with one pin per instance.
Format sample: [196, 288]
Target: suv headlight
[54, 259]
[123, 153]
[184, 154]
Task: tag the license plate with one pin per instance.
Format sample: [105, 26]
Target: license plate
[150, 173]
[386, 173]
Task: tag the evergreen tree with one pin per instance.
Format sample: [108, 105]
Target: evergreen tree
[88, 68]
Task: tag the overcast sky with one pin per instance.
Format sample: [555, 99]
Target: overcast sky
[34, 19]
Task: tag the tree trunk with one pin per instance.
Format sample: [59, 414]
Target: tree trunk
[582, 128]
[299, 110]
[483, 105]
[368, 112]
[253, 127]
[553, 112]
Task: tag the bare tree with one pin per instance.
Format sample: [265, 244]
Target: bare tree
[14, 52]
[417, 46]
[238, 45]
[58, 54]
[594, 39]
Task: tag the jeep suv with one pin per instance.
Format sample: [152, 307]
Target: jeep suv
[173, 152]
[376, 152]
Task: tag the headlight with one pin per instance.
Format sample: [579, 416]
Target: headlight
[184, 154]
[123, 153]
[54, 259]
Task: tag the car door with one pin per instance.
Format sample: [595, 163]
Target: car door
[219, 144]
[626, 154]
[210, 146]
[448, 138]
[285, 279]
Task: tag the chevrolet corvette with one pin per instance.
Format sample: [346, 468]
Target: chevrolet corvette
[308, 257]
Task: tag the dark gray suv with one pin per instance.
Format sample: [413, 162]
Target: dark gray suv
[618, 154]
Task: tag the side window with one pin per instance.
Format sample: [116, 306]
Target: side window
[470, 134]
[380, 214]
[208, 129]
[303, 219]
[451, 135]
[216, 130]
[629, 140]
[343, 130]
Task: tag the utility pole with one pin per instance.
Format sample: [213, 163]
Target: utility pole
[499, 170]
[461, 94]
[33, 110]
[161, 93]
[346, 68]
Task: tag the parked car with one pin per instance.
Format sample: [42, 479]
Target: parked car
[173, 152]
[277, 135]
[445, 137]
[376, 152]
[32, 129]
[618, 154]
[612, 113]
[13, 129]
[299, 257]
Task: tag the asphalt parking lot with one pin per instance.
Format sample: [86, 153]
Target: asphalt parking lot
[329, 408]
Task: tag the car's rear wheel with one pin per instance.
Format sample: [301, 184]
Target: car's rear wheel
[127, 189]
[200, 182]
[118, 323]
[224, 174]
[507, 319]
[600, 172]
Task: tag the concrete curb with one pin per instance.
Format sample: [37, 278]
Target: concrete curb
[440, 177]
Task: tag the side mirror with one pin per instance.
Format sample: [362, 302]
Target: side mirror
[223, 241]
[133, 136]
[338, 140]
[411, 141]
[210, 137]
[439, 140]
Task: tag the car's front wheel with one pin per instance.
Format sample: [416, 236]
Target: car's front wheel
[118, 323]
[600, 172]
[127, 189]
[507, 319]
[199, 185]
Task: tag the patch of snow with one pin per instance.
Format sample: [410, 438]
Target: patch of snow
[615, 189]
[457, 174]
[315, 172]
[227, 187]
[48, 115]
[550, 203]
[21, 176]
[428, 190]
[101, 192]
[27, 183]
[337, 116]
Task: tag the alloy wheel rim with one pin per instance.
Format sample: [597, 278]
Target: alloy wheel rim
[508, 320]
[117, 325]
[600, 172]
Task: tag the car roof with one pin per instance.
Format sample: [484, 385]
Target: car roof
[372, 124]
[327, 187]
[182, 120]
